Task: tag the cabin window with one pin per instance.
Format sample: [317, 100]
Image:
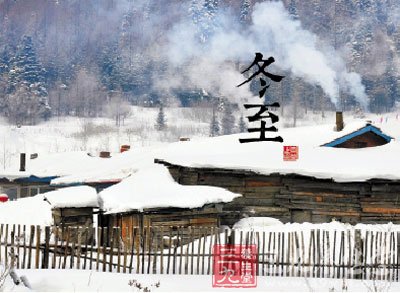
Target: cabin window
[24, 192]
[33, 191]
[361, 144]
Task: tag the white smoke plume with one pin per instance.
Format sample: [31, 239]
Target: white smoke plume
[272, 33]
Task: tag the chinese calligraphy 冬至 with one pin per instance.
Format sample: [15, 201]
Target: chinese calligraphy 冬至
[261, 65]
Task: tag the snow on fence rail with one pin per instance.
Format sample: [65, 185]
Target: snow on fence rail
[349, 253]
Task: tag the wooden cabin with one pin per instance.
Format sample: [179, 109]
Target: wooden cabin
[367, 136]
[297, 198]
[163, 220]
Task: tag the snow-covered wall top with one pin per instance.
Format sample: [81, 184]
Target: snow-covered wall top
[153, 187]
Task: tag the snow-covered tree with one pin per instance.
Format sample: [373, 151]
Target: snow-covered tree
[117, 108]
[228, 120]
[293, 10]
[205, 19]
[214, 125]
[161, 122]
[242, 125]
[23, 106]
[245, 11]
[26, 88]
[24, 67]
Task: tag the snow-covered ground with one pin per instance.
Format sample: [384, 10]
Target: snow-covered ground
[77, 281]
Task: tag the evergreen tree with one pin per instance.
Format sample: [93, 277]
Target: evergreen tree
[214, 126]
[161, 121]
[25, 67]
[228, 120]
[26, 86]
[293, 10]
[208, 21]
[245, 11]
[242, 125]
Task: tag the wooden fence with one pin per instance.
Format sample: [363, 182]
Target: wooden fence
[361, 254]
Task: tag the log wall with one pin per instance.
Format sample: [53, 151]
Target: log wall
[296, 198]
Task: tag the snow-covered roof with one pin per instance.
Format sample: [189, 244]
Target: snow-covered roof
[367, 128]
[72, 197]
[314, 160]
[226, 152]
[36, 210]
[153, 187]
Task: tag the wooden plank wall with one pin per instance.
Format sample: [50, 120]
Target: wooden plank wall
[295, 198]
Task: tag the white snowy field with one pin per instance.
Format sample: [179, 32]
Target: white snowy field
[77, 281]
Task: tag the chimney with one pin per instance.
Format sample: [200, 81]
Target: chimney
[339, 121]
[105, 155]
[125, 148]
[22, 162]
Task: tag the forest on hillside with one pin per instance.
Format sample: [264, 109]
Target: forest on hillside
[97, 57]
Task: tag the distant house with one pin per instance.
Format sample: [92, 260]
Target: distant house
[367, 136]
[20, 186]
[40, 174]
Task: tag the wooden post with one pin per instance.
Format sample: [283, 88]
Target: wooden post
[155, 250]
[328, 250]
[79, 248]
[86, 246]
[126, 245]
[92, 243]
[210, 248]
[104, 248]
[138, 234]
[133, 235]
[143, 232]
[192, 251]
[55, 247]
[113, 232]
[162, 250]
[174, 257]
[99, 238]
[398, 256]
[24, 249]
[12, 251]
[179, 240]
[118, 244]
[31, 237]
[37, 247]
[149, 248]
[18, 244]
[199, 248]
[6, 248]
[169, 248]
[303, 256]
[349, 266]
[358, 256]
[46, 251]
[1, 236]
[73, 248]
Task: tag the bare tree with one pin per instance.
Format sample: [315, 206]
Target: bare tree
[117, 107]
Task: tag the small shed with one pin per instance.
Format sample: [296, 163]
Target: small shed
[73, 207]
[367, 136]
[151, 197]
